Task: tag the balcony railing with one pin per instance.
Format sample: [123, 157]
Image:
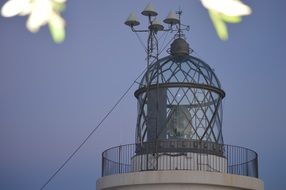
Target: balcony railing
[180, 155]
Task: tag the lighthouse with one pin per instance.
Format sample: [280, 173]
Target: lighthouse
[178, 138]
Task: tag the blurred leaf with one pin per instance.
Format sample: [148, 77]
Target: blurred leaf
[57, 31]
[59, 7]
[219, 24]
[231, 19]
[222, 12]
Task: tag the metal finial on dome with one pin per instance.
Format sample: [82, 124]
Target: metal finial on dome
[180, 48]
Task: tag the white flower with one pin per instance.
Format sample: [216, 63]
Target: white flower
[16, 7]
[40, 12]
[227, 7]
[40, 15]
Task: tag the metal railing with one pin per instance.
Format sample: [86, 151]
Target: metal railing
[180, 155]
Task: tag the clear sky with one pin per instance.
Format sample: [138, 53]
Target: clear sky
[52, 96]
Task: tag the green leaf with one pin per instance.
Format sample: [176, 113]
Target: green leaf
[231, 19]
[59, 7]
[57, 32]
[219, 24]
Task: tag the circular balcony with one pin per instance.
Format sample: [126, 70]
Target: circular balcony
[180, 155]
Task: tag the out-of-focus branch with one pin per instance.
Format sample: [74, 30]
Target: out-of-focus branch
[48, 12]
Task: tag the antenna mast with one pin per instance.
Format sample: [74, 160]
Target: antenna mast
[152, 48]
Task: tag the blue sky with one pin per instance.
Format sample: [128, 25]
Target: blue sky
[52, 96]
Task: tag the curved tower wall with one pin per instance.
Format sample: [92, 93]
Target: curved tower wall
[183, 180]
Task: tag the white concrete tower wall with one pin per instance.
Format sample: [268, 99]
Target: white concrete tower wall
[178, 179]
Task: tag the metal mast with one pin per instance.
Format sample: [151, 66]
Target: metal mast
[152, 50]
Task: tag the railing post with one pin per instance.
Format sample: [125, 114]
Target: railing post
[247, 164]
[102, 165]
[119, 159]
[256, 166]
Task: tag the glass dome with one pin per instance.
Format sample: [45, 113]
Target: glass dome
[179, 98]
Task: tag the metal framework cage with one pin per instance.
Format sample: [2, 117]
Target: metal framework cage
[179, 99]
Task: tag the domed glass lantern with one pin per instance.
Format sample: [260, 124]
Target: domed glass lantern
[179, 98]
